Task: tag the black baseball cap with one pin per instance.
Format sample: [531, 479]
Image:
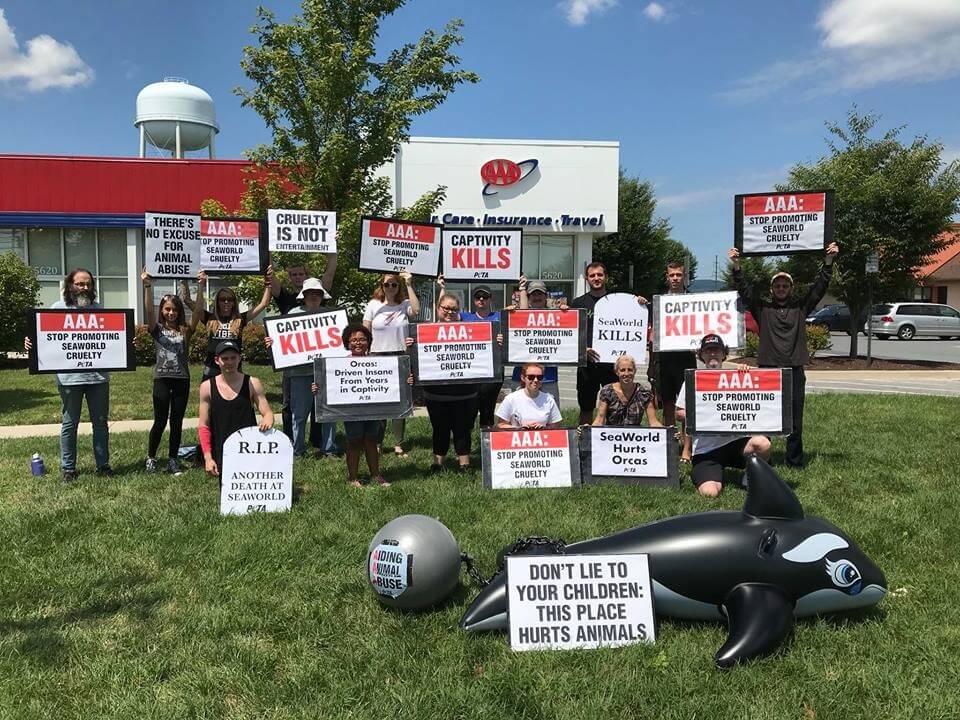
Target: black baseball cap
[712, 340]
[482, 290]
[225, 345]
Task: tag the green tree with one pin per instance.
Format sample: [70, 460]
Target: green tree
[641, 240]
[20, 291]
[338, 110]
[892, 198]
[756, 270]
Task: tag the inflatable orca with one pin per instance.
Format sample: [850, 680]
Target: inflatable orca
[760, 568]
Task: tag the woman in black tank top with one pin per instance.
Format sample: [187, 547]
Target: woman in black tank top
[228, 416]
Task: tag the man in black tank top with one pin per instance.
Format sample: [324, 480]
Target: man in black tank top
[226, 405]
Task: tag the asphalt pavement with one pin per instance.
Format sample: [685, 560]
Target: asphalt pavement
[932, 349]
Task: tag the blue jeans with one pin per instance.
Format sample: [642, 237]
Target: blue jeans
[71, 404]
[301, 402]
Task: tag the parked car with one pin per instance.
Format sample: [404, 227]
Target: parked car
[835, 317]
[908, 320]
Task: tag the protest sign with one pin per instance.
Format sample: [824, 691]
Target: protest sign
[455, 352]
[257, 472]
[781, 223]
[298, 338]
[232, 246]
[680, 321]
[482, 254]
[302, 231]
[736, 402]
[560, 602]
[555, 337]
[66, 341]
[369, 387]
[529, 458]
[619, 328]
[393, 245]
[171, 245]
[629, 455]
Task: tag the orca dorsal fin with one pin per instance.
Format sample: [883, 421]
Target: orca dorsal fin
[768, 496]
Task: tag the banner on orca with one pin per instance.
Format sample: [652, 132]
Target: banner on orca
[562, 602]
[93, 340]
[302, 231]
[783, 223]
[529, 458]
[389, 246]
[471, 254]
[735, 402]
[257, 472]
[232, 246]
[680, 321]
[301, 337]
[171, 245]
[630, 455]
[620, 328]
[447, 353]
[369, 387]
[553, 337]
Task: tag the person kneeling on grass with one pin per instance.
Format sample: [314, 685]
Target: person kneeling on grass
[527, 407]
[712, 453]
[362, 435]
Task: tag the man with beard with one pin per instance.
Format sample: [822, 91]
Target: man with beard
[80, 292]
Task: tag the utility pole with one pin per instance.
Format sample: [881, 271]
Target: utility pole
[872, 267]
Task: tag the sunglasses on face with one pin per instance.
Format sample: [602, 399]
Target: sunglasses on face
[534, 378]
[391, 284]
[449, 309]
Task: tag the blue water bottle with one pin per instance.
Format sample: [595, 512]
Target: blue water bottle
[36, 465]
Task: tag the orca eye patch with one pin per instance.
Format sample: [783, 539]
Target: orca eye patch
[815, 548]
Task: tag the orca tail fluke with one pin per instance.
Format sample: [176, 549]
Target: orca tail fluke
[488, 611]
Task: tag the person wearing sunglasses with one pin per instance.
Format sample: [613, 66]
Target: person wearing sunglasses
[393, 303]
[488, 393]
[527, 407]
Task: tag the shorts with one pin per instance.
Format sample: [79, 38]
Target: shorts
[709, 466]
[360, 429]
[589, 381]
[672, 372]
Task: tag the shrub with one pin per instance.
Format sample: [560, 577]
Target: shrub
[144, 346]
[254, 351]
[818, 338]
[20, 292]
[197, 351]
[751, 347]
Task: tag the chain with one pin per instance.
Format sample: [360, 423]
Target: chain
[556, 546]
[472, 570]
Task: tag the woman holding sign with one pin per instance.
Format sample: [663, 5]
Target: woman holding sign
[387, 316]
[171, 374]
[226, 322]
[624, 402]
[528, 407]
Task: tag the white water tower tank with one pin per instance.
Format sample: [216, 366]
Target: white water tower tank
[176, 116]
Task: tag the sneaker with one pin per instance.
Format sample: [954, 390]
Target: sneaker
[173, 467]
[463, 469]
[68, 476]
[106, 471]
[382, 481]
[434, 469]
[151, 465]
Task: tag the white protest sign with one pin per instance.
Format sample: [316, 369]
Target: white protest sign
[389, 569]
[257, 472]
[629, 451]
[529, 459]
[681, 320]
[171, 245]
[302, 231]
[482, 254]
[561, 602]
[81, 340]
[620, 328]
[783, 222]
[231, 246]
[454, 351]
[298, 338]
[368, 379]
[547, 336]
[734, 401]
[394, 245]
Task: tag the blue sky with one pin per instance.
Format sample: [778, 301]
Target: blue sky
[707, 98]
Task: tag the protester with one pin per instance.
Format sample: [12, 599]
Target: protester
[712, 453]
[226, 405]
[528, 407]
[625, 402]
[387, 317]
[171, 374]
[80, 293]
[300, 377]
[226, 322]
[533, 296]
[783, 332]
[595, 374]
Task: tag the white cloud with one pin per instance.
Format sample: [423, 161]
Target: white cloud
[865, 43]
[679, 201]
[578, 11]
[655, 11]
[45, 63]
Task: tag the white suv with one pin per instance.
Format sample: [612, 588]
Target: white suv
[908, 320]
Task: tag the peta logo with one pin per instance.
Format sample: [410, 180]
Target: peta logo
[500, 173]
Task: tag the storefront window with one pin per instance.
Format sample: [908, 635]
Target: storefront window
[112, 252]
[12, 240]
[112, 293]
[531, 256]
[45, 252]
[556, 258]
[80, 248]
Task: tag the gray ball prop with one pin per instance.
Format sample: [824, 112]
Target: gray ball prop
[413, 562]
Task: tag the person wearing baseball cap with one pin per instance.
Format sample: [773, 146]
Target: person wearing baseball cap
[534, 296]
[713, 453]
[783, 332]
[488, 393]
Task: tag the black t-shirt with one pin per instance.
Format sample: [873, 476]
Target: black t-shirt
[221, 333]
[287, 301]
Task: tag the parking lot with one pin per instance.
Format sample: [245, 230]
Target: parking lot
[930, 349]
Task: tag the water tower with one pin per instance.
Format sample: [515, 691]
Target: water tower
[176, 116]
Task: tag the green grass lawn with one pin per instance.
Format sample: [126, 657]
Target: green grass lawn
[133, 598]
[33, 399]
